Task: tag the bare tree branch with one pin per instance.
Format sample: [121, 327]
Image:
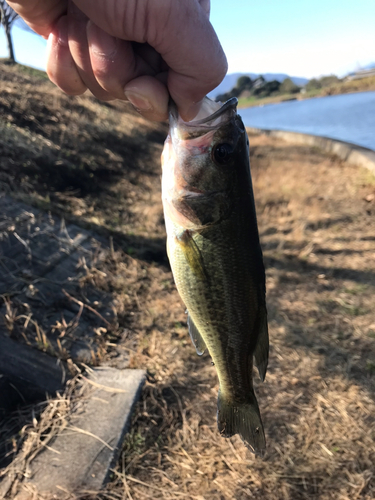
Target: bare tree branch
[7, 17]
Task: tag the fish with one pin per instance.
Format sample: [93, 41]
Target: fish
[215, 255]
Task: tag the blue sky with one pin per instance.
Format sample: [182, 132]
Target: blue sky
[301, 38]
[29, 49]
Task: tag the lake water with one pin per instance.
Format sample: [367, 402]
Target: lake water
[348, 117]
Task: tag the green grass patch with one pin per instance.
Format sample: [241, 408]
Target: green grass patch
[357, 289]
[27, 70]
[247, 102]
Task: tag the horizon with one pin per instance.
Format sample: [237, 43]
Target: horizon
[289, 38]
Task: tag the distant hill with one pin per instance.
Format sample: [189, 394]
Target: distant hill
[369, 66]
[230, 81]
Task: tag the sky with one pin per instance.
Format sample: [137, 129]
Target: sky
[297, 37]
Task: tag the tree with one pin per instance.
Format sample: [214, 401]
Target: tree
[327, 81]
[267, 88]
[7, 17]
[259, 81]
[289, 87]
[313, 84]
[244, 83]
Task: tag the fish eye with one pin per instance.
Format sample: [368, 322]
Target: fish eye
[222, 153]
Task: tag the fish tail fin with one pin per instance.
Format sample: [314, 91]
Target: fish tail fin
[243, 419]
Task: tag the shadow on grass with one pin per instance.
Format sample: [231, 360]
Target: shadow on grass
[306, 268]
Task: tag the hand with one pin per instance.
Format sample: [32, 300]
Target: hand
[138, 50]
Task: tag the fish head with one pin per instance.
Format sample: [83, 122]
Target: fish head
[203, 162]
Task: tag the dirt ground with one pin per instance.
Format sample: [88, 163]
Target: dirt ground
[98, 165]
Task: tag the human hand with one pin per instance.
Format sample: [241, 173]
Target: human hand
[138, 50]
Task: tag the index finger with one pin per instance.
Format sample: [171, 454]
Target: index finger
[178, 30]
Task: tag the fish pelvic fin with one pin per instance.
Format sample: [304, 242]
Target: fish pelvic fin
[243, 419]
[262, 346]
[196, 337]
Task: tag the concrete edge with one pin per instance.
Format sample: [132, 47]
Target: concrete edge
[351, 153]
[81, 456]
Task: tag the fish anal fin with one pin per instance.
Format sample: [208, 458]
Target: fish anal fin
[262, 346]
[192, 253]
[196, 337]
[243, 419]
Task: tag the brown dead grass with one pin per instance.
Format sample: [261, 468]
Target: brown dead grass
[317, 231]
[316, 220]
[360, 85]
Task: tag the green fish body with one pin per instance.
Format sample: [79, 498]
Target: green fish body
[214, 250]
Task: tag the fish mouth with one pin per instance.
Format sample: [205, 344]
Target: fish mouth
[211, 116]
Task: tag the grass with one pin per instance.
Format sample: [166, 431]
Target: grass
[366, 178]
[33, 72]
[363, 85]
[246, 102]
[317, 402]
[23, 69]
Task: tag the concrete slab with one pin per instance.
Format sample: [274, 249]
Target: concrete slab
[81, 457]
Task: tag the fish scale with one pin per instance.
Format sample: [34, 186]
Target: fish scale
[216, 259]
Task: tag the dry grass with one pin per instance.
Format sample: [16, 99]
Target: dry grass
[361, 85]
[318, 407]
[39, 425]
[318, 400]
[347, 87]
[316, 220]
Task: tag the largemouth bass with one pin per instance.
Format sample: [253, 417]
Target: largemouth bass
[214, 250]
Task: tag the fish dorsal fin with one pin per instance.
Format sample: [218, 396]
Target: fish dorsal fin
[262, 347]
[196, 337]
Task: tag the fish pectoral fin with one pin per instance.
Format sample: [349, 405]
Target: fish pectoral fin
[262, 346]
[192, 253]
[196, 337]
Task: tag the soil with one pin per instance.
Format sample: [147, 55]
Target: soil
[98, 165]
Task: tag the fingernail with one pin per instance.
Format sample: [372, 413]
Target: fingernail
[138, 101]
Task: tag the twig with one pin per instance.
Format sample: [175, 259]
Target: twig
[103, 387]
[81, 304]
[24, 243]
[163, 490]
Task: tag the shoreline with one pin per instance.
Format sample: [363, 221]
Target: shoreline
[293, 97]
[347, 151]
